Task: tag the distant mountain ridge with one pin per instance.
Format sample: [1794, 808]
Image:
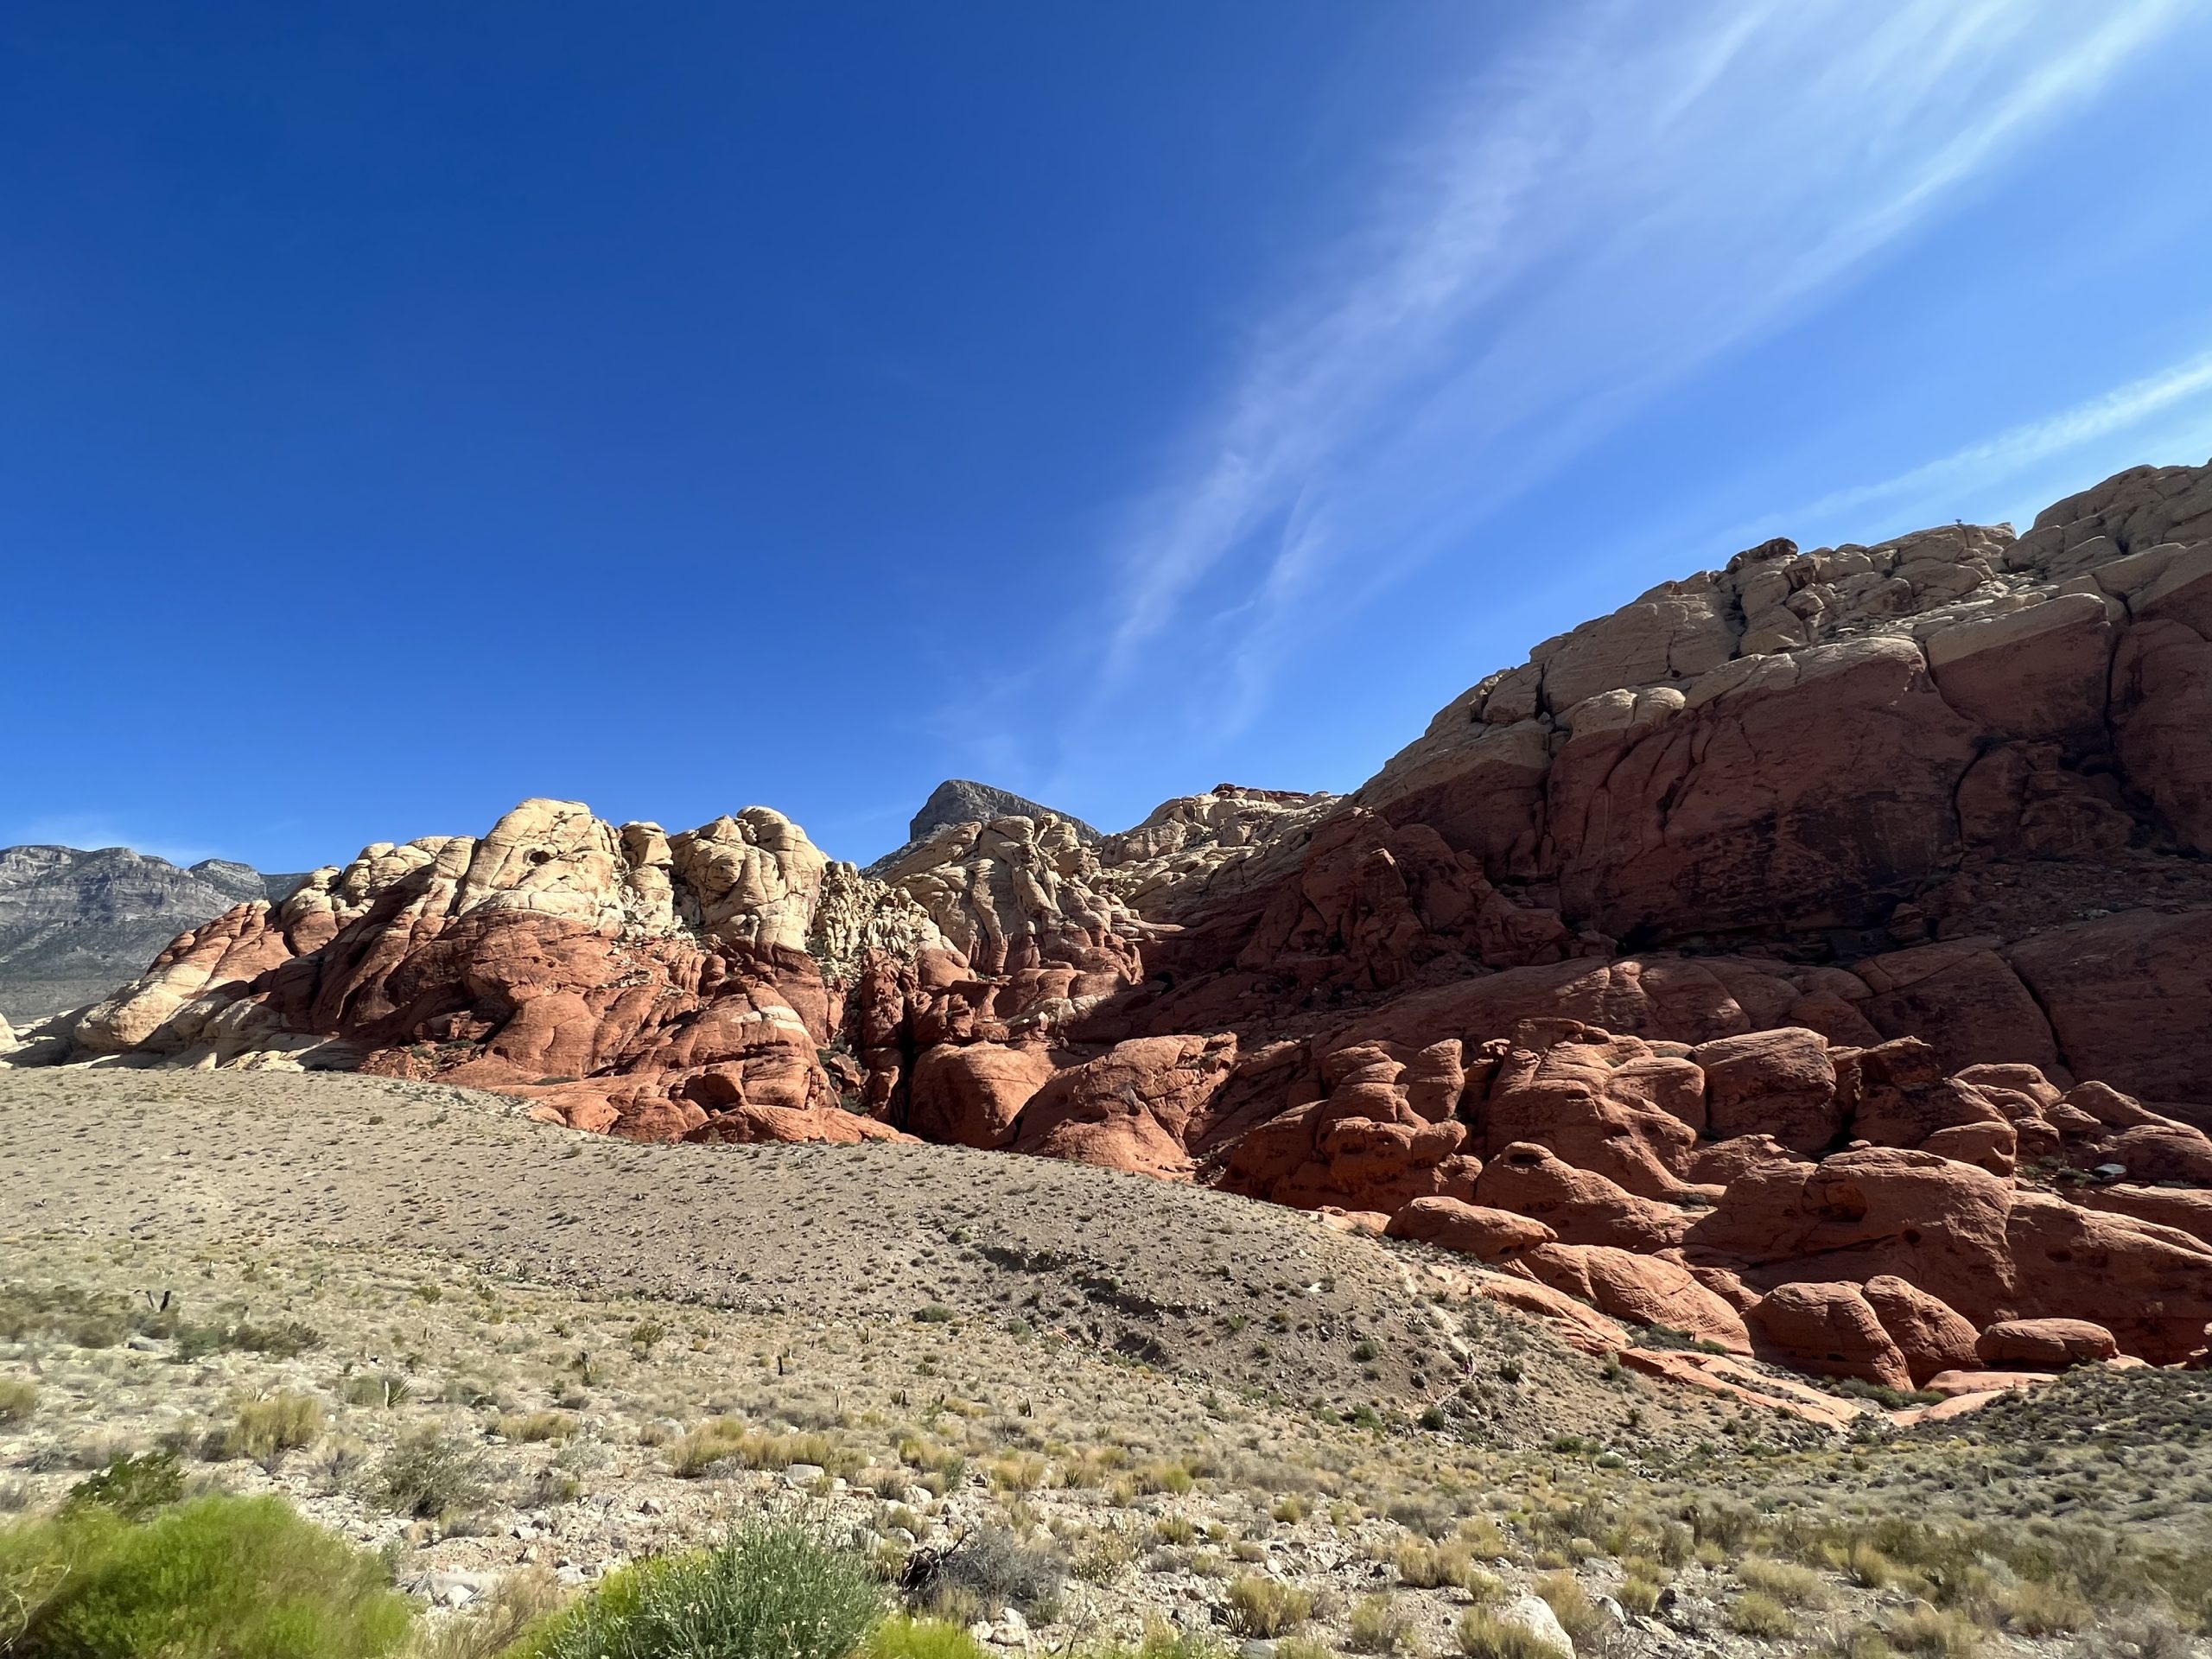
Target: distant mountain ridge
[962, 800]
[76, 924]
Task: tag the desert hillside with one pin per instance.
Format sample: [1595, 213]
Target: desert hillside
[1808, 956]
[513, 1357]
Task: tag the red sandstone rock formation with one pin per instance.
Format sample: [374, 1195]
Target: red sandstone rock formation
[1809, 956]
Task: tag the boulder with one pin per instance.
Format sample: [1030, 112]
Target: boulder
[1578, 1206]
[1130, 1106]
[1830, 1329]
[1470, 1229]
[1779, 1082]
[2044, 1344]
[1639, 1289]
[970, 1095]
[1615, 1106]
[1579, 1325]
[1930, 1336]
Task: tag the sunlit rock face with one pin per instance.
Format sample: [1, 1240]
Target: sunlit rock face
[1751, 961]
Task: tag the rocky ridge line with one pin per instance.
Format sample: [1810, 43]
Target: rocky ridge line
[75, 925]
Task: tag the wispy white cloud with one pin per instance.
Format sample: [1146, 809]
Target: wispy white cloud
[1969, 473]
[1625, 194]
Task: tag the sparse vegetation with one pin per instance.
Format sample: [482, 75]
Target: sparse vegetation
[266, 1429]
[1485, 1635]
[1934, 1631]
[729, 1441]
[432, 1474]
[133, 1487]
[207, 1579]
[1425, 1566]
[2065, 1519]
[901, 1637]
[1379, 1624]
[770, 1591]
[1783, 1582]
[1754, 1613]
[520, 1602]
[1578, 1615]
[990, 1570]
[1267, 1607]
[18, 1400]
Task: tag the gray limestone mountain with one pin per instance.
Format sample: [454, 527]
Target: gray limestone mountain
[962, 800]
[74, 925]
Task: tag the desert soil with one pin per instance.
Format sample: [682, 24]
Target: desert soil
[1171, 1391]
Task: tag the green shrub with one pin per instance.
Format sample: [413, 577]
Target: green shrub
[286, 1341]
[532, 1427]
[430, 1475]
[1156, 1477]
[770, 1591]
[1483, 1635]
[1267, 1607]
[133, 1487]
[1020, 1472]
[1640, 1595]
[18, 1400]
[1865, 1642]
[1103, 1555]
[902, 1637]
[1868, 1568]
[1161, 1640]
[720, 1439]
[376, 1388]
[218, 1577]
[2036, 1609]
[41, 1558]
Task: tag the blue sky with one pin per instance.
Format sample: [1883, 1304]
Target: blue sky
[407, 409]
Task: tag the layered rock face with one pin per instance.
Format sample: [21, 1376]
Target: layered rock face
[1814, 957]
[73, 924]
